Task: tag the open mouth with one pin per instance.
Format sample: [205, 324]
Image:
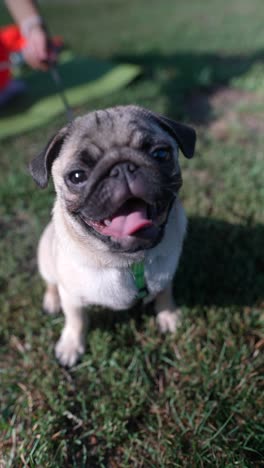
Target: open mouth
[134, 218]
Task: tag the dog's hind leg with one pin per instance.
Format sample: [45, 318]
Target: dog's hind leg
[168, 315]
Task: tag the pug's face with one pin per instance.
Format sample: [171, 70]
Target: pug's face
[116, 174]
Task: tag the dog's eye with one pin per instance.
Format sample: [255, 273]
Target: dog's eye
[77, 177]
[163, 153]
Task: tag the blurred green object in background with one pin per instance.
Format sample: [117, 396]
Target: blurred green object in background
[83, 79]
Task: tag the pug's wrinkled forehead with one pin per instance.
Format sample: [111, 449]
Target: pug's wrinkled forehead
[117, 127]
[90, 137]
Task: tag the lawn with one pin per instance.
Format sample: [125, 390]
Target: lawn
[137, 398]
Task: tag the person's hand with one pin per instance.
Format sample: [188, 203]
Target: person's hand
[38, 52]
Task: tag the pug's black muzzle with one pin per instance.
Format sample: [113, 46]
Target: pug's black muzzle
[128, 205]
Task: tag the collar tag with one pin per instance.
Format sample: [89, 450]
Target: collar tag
[138, 272]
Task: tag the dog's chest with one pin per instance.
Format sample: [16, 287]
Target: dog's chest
[115, 288]
[108, 287]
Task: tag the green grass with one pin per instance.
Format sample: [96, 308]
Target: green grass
[138, 399]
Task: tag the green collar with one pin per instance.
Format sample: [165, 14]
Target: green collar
[138, 272]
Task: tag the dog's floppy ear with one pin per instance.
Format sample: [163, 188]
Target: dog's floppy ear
[40, 166]
[184, 135]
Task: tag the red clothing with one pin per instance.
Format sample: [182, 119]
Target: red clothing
[11, 40]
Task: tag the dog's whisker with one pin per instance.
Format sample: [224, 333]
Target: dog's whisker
[176, 185]
[173, 184]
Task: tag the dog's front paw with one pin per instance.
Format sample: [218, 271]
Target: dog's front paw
[169, 321]
[69, 348]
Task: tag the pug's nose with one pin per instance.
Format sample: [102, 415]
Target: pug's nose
[123, 169]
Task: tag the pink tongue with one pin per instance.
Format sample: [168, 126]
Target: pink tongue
[128, 220]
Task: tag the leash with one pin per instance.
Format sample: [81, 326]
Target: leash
[54, 72]
[56, 77]
[138, 272]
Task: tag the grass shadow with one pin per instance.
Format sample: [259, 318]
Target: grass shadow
[222, 264]
[108, 319]
[184, 73]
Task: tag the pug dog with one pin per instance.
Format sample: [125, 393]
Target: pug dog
[117, 176]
